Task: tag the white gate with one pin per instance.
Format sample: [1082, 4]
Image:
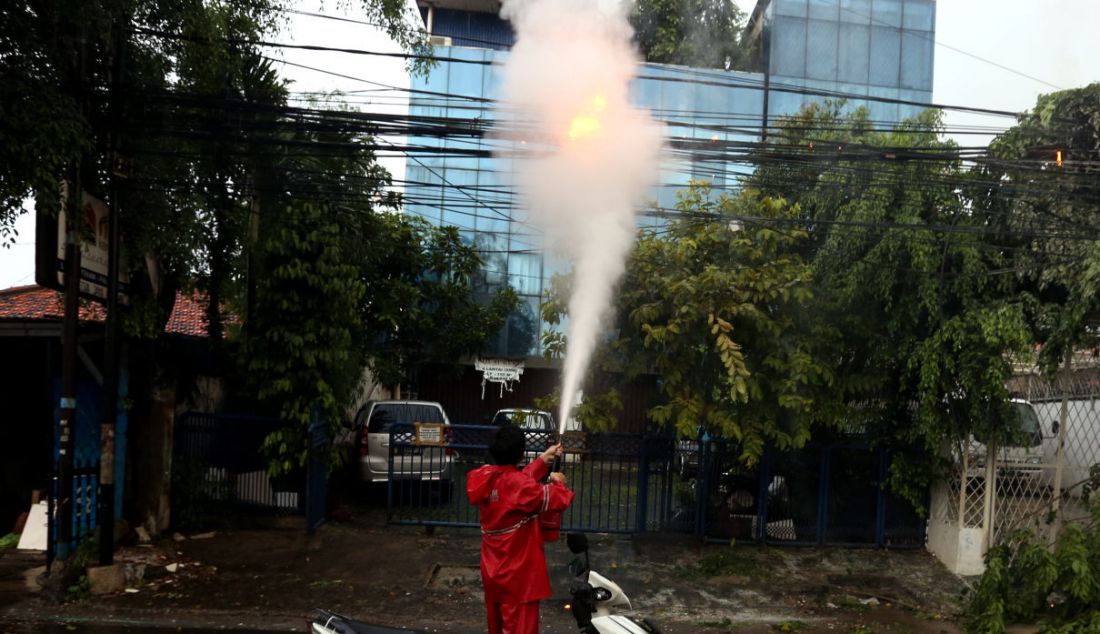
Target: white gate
[1038, 485]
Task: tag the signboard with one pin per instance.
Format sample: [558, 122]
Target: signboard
[430, 434]
[502, 371]
[50, 256]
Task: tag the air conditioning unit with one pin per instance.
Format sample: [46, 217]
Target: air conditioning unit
[440, 40]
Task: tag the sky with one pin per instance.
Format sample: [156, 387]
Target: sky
[1029, 47]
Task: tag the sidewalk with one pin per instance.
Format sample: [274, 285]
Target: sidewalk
[271, 577]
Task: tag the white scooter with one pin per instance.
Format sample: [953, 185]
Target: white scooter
[594, 597]
[325, 622]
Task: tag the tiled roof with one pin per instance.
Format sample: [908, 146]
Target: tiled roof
[35, 303]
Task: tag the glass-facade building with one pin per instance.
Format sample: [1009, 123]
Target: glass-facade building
[881, 49]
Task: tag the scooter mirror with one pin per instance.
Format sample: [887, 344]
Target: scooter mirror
[577, 542]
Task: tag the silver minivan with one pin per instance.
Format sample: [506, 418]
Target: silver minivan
[412, 461]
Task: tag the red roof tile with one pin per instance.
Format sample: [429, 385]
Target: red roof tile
[35, 303]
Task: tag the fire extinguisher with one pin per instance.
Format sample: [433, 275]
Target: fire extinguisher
[550, 521]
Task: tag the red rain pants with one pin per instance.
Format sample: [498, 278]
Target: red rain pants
[513, 618]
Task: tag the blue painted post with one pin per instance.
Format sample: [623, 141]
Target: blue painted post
[702, 479]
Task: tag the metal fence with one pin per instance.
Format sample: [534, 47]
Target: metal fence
[1037, 482]
[631, 483]
[217, 464]
[427, 484]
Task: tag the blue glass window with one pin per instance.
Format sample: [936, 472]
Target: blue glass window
[790, 7]
[821, 50]
[465, 79]
[883, 110]
[916, 60]
[885, 56]
[854, 53]
[784, 103]
[823, 9]
[458, 217]
[525, 273]
[855, 11]
[887, 13]
[788, 51]
[919, 15]
[523, 329]
[489, 220]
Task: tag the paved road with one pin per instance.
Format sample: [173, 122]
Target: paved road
[109, 629]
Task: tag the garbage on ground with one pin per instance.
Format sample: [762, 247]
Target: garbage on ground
[142, 535]
[35, 531]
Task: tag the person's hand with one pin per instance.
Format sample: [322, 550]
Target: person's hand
[551, 453]
[558, 477]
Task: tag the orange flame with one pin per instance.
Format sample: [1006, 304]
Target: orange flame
[588, 122]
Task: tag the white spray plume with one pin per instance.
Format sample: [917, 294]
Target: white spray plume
[590, 155]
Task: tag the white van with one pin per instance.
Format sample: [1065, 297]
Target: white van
[1082, 440]
[1021, 457]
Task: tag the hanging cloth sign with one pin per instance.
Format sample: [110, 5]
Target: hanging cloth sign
[503, 371]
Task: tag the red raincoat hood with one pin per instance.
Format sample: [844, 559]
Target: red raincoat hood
[479, 482]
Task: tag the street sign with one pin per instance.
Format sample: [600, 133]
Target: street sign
[50, 250]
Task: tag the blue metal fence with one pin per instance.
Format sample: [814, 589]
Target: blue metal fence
[85, 468]
[217, 463]
[629, 483]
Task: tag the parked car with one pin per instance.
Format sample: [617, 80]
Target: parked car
[542, 431]
[415, 462]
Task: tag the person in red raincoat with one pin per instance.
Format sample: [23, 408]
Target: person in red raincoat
[513, 565]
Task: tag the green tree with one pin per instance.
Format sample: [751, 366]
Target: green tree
[1027, 581]
[56, 64]
[719, 309]
[1039, 191]
[911, 278]
[278, 214]
[704, 33]
[418, 307]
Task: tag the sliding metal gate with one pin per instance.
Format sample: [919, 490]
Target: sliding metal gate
[632, 483]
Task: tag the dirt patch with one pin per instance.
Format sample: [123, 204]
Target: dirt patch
[451, 577]
[401, 576]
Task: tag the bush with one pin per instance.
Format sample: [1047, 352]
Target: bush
[1026, 581]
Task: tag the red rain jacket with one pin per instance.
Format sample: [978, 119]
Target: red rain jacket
[513, 565]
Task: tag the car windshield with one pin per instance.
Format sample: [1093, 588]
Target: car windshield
[386, 414]
[1022, 431]
[1027, 426]
[526, 419]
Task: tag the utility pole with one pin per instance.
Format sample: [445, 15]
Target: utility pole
[106, 511]
[765, 50]
[74, 194]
